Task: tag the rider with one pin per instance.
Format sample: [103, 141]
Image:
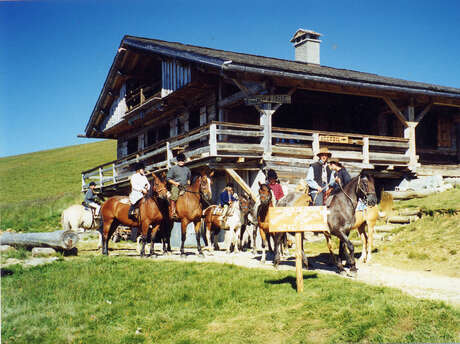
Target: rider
[318, 176]
[139, 187]
[226, 199]
[274, 184]
[91, 200]
[341, 176]
[179, 177]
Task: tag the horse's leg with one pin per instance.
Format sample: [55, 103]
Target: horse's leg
[237, 239]
[270, 236]
[365, 243]
[144, 236]
[332, 259]
[184, 223]
[208, 228]
[264, 243]
[152, 240]
[350, 253]
[198, 237]
[277, 242]
[370, 243]
[254, 242]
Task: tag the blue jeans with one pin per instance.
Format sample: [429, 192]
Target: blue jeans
[317, 198]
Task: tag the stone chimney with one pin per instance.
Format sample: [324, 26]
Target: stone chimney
[306, 44]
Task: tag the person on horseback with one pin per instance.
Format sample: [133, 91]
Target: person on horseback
[139, 187]
[274, 184]
[320, 177]
[341, 176]
[179, 177]
[91, 199]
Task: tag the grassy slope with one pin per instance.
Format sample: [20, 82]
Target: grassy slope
[171, 302]
[432, 243]
[36, 187]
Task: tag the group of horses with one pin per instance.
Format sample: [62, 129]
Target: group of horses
[154, 219]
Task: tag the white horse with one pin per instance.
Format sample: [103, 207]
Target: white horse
[80, 219]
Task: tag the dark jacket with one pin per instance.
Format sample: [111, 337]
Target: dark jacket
[225, 197]
[344, 177]
[318, 170]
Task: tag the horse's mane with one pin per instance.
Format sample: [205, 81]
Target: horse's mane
[195, 176]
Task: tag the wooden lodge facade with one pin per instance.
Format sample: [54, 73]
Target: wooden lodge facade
[238, 112]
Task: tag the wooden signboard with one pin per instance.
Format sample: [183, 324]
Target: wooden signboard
[333, 139]
[298, 220]
[268, 98]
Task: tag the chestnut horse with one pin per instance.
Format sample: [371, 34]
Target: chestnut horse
[115, 212]
[189, 207]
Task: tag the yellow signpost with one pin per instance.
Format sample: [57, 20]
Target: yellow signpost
[298, 220]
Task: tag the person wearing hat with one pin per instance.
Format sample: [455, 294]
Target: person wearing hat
[275, 185]
[179, 177]
[341, 176]
[319, 177]
[226, 199]
[139, 187]
[91, 199]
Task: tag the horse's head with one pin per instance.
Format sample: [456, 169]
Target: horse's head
[159, 185]
[244, 204]
[205, 187]
[265, 194]
[365, 189]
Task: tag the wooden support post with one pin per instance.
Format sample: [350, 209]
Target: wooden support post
[212, 140]
[236, 177]
[366, 150]
[266, 122]
[298, 261]
[114, 173]
[423, 113]
[410, 113]
[169, 155]
[409, 133]
[142, 97]
[100, 177]
[396, 111]
[315, 144]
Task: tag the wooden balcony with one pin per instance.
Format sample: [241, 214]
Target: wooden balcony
[244, 146]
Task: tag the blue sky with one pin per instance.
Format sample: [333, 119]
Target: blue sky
[55, 55]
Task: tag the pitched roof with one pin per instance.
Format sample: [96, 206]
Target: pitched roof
[260, 64]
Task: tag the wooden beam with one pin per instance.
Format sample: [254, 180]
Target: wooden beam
[238, 96]
[424, 112]
[246, 92]
[396, 111]
[241, 183]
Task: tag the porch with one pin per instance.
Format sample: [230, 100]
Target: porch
[223, 145]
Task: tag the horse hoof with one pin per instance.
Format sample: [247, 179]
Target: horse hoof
[352, 273]
[343, 273]
[183, 255]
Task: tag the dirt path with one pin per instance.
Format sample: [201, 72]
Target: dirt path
[418, 284]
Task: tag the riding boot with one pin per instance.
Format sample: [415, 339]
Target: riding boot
[131, 213]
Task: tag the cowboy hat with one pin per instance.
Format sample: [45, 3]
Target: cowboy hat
[324, 151]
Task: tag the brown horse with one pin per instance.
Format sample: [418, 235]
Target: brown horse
[115, 212]
[189, 207]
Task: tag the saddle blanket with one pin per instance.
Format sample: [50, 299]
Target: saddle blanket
[218, 210]
[125, 201]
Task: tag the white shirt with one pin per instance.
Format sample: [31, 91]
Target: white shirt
[139, 183]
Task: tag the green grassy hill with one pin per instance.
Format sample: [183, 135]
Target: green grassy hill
[36, 187]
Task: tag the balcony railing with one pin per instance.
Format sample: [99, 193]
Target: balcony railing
[286, 145]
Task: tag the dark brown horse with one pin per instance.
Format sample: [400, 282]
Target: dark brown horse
[189, 207]
[341, 218]
[114, 212]
[248, 220]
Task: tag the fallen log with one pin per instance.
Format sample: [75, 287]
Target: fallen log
[409, 212]
[402, 219]
[59, 239]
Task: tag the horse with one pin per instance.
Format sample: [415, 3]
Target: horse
[189, 207]
[266, 201]
[115, 211]
[77, 217]
[342, 215]
[248, 222]
[232, 224]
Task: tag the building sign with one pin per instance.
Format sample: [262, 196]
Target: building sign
[268, 98]
[334, 139]
[298, 219]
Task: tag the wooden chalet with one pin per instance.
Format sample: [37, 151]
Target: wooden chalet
[240, 113]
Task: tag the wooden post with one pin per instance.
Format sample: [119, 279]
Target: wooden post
[212, 140]
[366, 150]
[100, 177]
[409, 133]
[241, 182]
[266, 122]
[315, 144]
[298, 261]
[114, 173]
[169, 155]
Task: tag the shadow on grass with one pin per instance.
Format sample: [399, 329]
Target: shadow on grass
[291, 280]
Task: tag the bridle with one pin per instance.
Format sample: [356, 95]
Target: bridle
[269, 197]
[358, 188]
